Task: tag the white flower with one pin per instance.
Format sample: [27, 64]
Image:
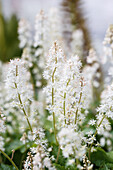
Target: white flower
[92, 122]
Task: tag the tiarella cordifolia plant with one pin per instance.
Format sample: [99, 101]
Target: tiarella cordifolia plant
[20, 93]
[67, 131]
[67, 100]
[19, 88]
[14, 120]
[52, 74]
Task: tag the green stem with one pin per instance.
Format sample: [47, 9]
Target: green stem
[64, 107]
[54, 122]
[54, 127]
[95, 135]
[58, 154]
[76, 113]
[77, 161]
[22, 107]
[9, 159]
[54, 115]
[19, 97]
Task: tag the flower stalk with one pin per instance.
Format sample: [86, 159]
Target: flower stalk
[20, 100]
[9, 159]
[54, 121]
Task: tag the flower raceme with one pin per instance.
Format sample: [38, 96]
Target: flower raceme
[66, 93]
[24, 33]
[18, 83]
[18, 86]
[66, 88]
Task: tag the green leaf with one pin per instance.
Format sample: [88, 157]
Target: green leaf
[110, 156]
[59, 167]
[99, 157]
[102, 159]
[6, 167]
[110, 166]
[14, 145]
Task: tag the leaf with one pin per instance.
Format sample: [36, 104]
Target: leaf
[14, 145]
[6, 167]
[102, 159]
[110, 166]
[59, 167]
[99, 157]
[110, 156]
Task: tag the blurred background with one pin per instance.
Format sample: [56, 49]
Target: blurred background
[92, 16]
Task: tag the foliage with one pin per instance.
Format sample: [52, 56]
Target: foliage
[8, 38]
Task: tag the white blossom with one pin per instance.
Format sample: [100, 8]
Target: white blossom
[24, 33]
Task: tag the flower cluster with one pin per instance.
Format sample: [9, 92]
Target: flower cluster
[39, 157]
[24, 33]
[19, 88]
[108, 51]
[71, 143]
[66, 93]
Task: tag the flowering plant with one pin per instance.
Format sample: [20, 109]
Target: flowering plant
[62, 128]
